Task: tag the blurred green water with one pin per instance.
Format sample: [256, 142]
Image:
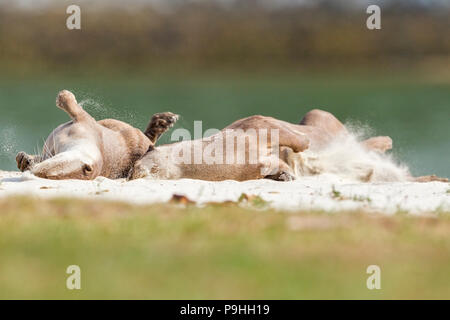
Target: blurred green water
[414, 112]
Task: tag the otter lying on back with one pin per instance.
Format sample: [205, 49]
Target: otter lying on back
[85, 148]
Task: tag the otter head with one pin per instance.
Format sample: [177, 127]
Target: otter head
[138, 171]
[152, 164]
[81, 161]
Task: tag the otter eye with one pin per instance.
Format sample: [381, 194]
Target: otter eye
[87, 169]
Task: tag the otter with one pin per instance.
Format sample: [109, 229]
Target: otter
[258, 155]
[84, 148]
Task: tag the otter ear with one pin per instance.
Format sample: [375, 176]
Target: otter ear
[160, 123]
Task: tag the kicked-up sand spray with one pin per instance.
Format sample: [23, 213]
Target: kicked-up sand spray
[346, 157]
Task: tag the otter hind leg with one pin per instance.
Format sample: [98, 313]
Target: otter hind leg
[325, 121]
[295, 140]
[67, 102]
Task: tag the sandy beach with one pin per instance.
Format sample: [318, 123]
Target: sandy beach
[323, 192]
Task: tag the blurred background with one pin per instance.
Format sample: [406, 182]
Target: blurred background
[221, 60]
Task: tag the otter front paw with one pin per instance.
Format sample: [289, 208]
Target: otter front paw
[281, 176]
[24, 161]
[163, 121]
[160, 123]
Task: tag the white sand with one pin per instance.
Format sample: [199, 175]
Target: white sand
[305, 194]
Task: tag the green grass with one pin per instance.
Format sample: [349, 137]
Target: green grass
[220, 251]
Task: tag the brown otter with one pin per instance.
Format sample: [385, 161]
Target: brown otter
[258, 155]
[85, 148]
